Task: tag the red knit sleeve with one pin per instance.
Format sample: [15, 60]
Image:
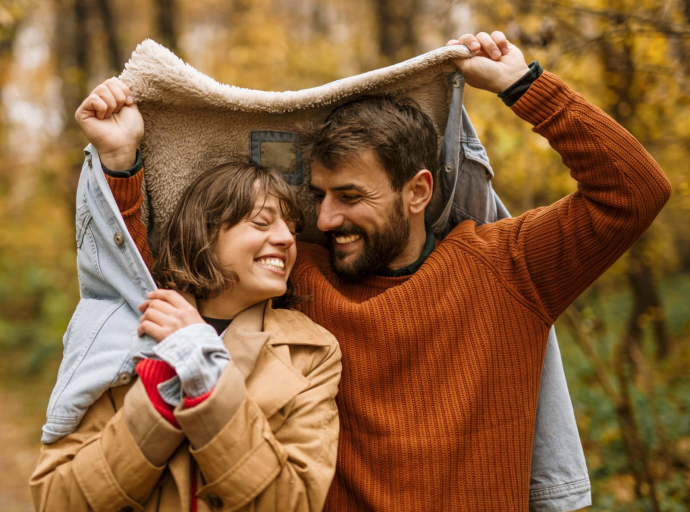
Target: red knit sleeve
[152, 372]
[193, 402]
[128, 196]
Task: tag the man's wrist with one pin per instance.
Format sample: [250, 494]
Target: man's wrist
[514, 92]
[120, 159]
[125, 172]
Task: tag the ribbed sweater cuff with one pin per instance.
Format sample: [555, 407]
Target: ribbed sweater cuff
[127, 192]
[190, 402]
[152, 372]
[547, 95]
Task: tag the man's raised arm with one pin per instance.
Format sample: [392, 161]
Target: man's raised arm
[550, 255]
[112, 123]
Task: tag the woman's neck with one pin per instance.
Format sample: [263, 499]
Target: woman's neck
[224, 306]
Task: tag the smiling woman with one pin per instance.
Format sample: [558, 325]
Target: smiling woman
[246, 382]
[238, 219]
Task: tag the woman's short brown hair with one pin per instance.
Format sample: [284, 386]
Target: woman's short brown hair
[220, 197]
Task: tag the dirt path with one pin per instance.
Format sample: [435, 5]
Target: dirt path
[19, 449]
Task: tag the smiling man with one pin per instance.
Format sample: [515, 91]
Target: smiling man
[443, 342]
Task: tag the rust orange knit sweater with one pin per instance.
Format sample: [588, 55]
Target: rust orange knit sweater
[441, 369]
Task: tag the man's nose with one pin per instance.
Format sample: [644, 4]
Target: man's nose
[328, 216]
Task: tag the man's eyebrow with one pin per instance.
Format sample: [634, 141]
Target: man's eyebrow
[341, 188]
[350, 186]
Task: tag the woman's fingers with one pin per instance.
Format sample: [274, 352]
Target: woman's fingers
[163, 307]
[160, 318]
[154, 330]
[171, 297]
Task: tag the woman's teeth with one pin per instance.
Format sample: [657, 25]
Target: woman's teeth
[347, 239]
[275, 263]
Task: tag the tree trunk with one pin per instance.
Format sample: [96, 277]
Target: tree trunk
[396, 35]
[109, 26]
[73, 65]
[167, 24]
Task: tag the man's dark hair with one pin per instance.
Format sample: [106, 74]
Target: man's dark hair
[402, 136]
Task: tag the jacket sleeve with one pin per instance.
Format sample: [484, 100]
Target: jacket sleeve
[245, 464]
[550, 255]
[113, 460]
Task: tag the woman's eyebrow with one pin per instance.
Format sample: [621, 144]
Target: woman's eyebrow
[270, 209]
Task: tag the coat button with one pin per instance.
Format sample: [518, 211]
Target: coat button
[124, 378]
[119, 239]
[126, 509]
[214, 500]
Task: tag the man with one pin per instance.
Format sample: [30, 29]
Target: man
[443, 343]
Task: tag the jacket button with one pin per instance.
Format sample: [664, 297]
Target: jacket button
[126, 509]
[214, 500]
[124, 378]
[119, 239]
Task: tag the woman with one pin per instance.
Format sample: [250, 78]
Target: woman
[235, 404]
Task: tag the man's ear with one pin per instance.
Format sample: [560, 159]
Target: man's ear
[420, 189]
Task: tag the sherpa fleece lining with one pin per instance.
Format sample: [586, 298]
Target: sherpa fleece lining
[193, 123]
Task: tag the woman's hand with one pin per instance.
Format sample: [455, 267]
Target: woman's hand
[496, 64]
[111, 121]
[165, 312]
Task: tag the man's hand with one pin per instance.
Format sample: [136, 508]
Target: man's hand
[496, 65]
[111, 121]
[165, 312]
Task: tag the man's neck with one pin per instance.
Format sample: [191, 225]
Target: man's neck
[414, 247]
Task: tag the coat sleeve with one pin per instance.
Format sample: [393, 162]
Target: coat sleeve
[249, 464]
[551, 255]
[113, 460]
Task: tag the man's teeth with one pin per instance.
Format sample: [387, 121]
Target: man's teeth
[272, 262]
[347, 239]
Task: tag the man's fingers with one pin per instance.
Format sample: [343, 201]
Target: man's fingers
[501, 41]
[91, 107]
[117, 92]
[105, 94]
[470, 41]
[125, 90]
[488, 45]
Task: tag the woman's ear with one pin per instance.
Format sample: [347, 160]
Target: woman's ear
[420, 188]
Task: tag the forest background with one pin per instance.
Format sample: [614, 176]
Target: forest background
[625, 342]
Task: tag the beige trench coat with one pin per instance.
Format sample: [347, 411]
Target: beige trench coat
[265, 440]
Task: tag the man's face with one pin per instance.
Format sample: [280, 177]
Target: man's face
[361, 215]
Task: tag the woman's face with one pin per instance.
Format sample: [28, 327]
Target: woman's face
[261, 250]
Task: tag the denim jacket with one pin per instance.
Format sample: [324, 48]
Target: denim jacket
[101, 339]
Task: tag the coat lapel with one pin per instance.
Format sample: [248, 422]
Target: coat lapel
[253, 340]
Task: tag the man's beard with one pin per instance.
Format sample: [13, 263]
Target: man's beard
[379, 247]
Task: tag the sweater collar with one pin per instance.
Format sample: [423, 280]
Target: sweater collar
[410, 269]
